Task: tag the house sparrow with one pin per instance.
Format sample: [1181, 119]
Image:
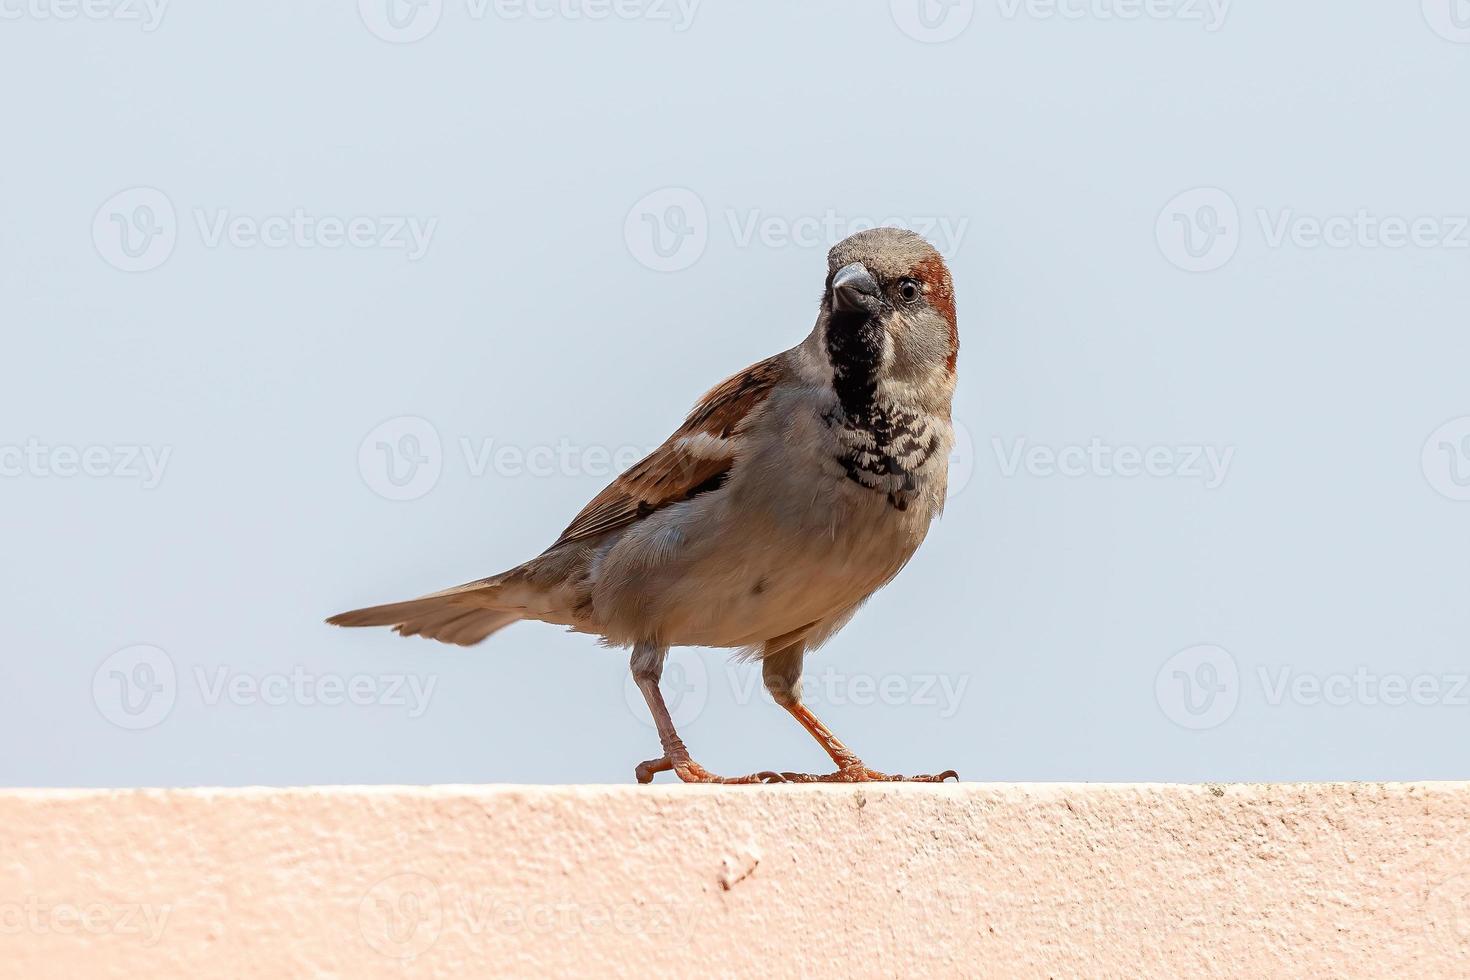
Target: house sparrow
[792, 492]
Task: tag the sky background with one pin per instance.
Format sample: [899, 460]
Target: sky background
[313, 305]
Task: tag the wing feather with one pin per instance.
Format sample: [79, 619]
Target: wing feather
[695, 459]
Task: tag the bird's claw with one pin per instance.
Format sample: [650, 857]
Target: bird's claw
[862, 774]
[692, 772]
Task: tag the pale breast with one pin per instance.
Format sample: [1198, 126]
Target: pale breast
[814, 518]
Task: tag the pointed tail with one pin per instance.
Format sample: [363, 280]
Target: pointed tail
[463, 615]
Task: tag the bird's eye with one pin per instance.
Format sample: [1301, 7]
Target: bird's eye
[909, 290]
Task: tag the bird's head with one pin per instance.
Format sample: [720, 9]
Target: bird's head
[888, 311]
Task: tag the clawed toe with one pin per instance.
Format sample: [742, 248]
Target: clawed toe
[647, 770]
[692, 772]
[862, 774]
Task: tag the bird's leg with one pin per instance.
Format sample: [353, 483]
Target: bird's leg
[782, 675]
[647, 666]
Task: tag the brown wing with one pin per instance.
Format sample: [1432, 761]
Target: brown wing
[695, 459]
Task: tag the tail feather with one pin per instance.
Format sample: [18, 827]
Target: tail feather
[462, 616]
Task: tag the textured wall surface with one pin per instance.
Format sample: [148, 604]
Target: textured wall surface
[1043, 880]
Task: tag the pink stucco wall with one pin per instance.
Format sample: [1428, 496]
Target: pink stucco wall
[1057, 880]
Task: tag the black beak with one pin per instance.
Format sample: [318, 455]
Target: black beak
[854, 290]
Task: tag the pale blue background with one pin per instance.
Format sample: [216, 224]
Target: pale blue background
[530, 320]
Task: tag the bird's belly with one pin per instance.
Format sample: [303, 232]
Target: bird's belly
[764, 596]
[791, 541]
[696, 577]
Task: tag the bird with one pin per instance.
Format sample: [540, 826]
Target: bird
[792, 492]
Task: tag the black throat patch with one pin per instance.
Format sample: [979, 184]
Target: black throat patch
[855, 348]
[883, 443]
